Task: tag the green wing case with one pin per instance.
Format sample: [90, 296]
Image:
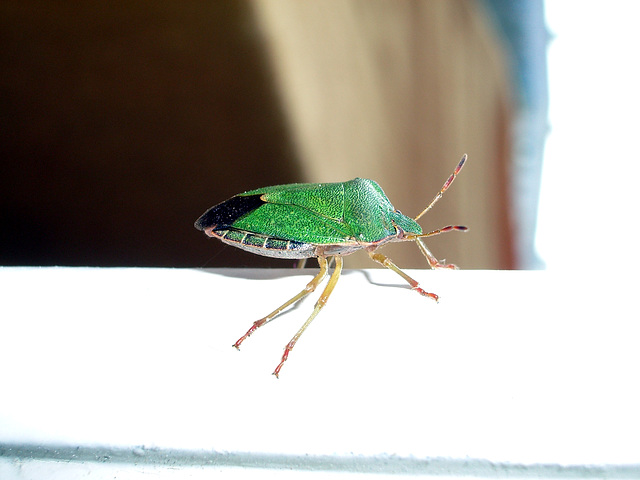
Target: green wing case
[325, 213]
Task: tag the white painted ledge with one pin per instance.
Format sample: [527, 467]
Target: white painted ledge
[131, 370]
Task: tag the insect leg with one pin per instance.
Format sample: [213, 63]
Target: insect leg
[319, 304]
[433, 261]
[386, 262]
[311, 286]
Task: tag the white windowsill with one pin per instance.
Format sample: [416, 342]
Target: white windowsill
[511, 374]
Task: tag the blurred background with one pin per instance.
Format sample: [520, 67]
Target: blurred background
[122, 122]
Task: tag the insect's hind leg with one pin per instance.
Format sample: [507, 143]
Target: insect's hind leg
[319, 304]
[311, 286]
[386, 262]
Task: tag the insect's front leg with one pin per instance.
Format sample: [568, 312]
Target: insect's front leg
[386, 262]
[311, 286]
[433, 261]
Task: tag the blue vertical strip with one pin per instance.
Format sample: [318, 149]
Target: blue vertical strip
[521, 25]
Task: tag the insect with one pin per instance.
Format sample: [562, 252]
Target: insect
[322, 220]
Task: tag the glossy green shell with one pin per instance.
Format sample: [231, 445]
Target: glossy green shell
[325, 213]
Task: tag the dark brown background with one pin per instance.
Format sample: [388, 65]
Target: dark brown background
[121, 122]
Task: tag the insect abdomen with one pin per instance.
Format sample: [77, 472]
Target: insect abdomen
[264, 245]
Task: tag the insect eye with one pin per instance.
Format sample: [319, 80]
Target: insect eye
[398, 211]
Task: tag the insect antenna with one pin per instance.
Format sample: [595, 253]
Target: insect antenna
[444, 188]
[448, 228]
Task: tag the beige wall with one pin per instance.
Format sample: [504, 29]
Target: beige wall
[397, 92]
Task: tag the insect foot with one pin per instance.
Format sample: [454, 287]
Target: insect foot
[285, 355]
[257, 324]
[425, 293]
[449, 266]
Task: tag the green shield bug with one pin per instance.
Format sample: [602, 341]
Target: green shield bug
[321, 220]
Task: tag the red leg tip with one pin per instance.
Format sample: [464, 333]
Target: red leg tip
[276, 372]
[285, 355]
[425, 293]
[253, 328]
[241, 339]
[450, 266]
